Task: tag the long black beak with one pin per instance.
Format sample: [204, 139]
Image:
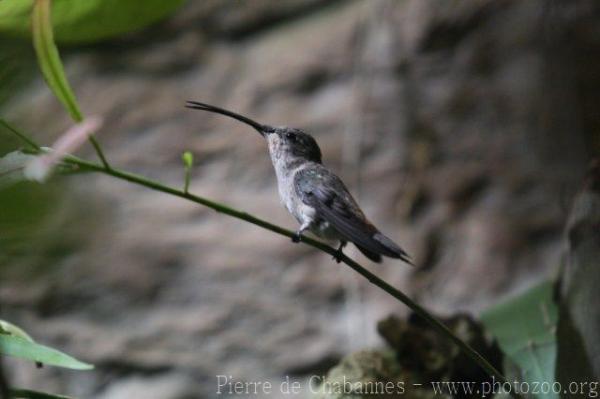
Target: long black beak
[262, 129]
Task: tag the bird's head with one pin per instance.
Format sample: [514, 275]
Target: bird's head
[283, 141]
[292, 143]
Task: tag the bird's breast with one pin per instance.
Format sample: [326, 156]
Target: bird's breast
[285, 185]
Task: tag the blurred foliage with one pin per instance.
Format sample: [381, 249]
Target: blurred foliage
[17, 66]
[26, 206]
[525, 329]
[12, 167]
[39, 223]
[87, 21]
[74, 22]
[31, 214]
[29, 217]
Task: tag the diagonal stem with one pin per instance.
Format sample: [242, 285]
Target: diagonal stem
[99, 151]
[30, 142]
[87, 166]
[372, 278]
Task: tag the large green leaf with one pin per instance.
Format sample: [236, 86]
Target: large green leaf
[16, 346]
[49, 59]
[85, 21]
[525, 329]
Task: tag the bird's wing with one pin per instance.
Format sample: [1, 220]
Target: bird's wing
[318, 187]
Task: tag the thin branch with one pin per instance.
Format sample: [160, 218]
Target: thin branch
[99, 151]
[30, 142]
[37, 148]
[399, 295]
[87, 166]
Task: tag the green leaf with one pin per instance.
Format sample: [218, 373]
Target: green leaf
[22, 348]
[525, 330]
[49, 59]
[29, 394]
[11, 329]
[90, 20]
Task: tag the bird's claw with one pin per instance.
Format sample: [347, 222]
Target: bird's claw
[337, 257]
[296, 237]
[339, 253]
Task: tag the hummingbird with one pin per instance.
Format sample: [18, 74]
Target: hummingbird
[314, 195]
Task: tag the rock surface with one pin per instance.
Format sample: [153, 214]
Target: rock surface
[460, 128]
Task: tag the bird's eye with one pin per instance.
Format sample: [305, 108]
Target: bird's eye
[290, 136]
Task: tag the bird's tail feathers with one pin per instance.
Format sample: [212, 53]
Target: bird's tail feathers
[373, 256]
[391, 249]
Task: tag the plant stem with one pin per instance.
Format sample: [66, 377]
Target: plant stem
[99, 152]
[372, 278]
[34, 146]
[186, 186]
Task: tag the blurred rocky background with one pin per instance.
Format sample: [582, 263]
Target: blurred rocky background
[463, 128]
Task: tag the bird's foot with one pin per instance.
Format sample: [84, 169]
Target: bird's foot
[338, 256]
[339, 253]
[297, 237]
